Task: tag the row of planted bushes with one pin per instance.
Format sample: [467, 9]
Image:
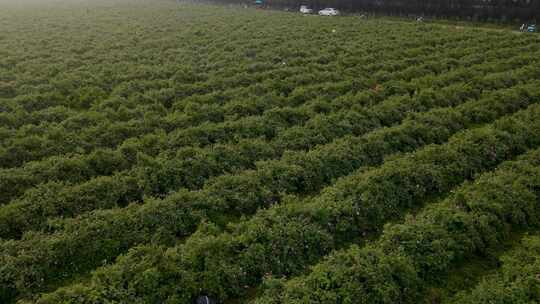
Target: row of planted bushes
[515, 282]
[82, 243]
[473, 221]
[87, 131]
[192, 167]
[17, 174]
[91, 129]
[283, 241]
[163, 70]
[166, 175]
[195, 166]
[96, 126]
[38, 141]
[16, 180]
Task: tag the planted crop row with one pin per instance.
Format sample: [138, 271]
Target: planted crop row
[318, 130]
[256, 127]
[120, 110]
[156, 88]
[387, 113]
[190, 71]
[83, 134]
[474, 220]
[283, 241]
[40, 141]
[15, 181]
[134, 99]
[322, 128]
[83, 243]
[155, 176]
[515, 282]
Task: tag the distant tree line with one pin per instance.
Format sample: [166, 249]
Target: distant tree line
[473, 10]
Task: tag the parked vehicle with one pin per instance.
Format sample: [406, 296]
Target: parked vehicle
[305, 10]
[329, 12]
[531, 28]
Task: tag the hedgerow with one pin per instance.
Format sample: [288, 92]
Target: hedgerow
[283, 241]
[260, 122]
[31, 144]
[192, 167]
[157, 151]
[472, 221]
[179, 215]
[515, 282]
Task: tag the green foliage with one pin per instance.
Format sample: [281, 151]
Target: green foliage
[153, 151]
[283, 240]
[472, 221]
[515, 282]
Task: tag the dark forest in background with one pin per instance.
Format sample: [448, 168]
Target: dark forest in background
[475, 10]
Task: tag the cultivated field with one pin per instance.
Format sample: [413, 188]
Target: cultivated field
[154, 151]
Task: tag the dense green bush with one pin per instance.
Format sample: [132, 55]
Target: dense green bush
[197, 140]
[515, 282]
[192, 167]
[472, 221]
[319, 135]
[284, 240]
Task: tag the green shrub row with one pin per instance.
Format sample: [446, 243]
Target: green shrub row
[192, 167]
[145, 90]
[18, 174]
[88, 131]
[473, 221]
[15, 181]
[189, 72]
[83, 243]
[515, 282]
[267, 126]
[160, 177]
[283, 241]
[175, 66]
[318, 130]
[75, 135]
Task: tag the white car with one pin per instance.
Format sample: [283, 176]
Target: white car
[329, 12]
[305, 10]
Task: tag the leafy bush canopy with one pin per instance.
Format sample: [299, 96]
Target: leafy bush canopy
[159, 152]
